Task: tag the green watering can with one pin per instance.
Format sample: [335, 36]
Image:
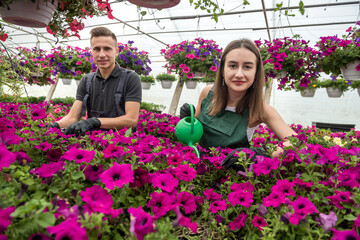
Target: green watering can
[189, 130]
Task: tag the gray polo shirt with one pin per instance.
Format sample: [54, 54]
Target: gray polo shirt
[102, 91]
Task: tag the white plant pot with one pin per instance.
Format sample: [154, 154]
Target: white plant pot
[166, 84]
[29, 14]
[334, 92]
[66, 81]
[349, 71]
[191, 84]
[145, 85]
[158, 4]
[358, 89]
[198, 75]
[307, 93]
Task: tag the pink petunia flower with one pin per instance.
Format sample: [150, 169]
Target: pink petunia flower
[275, 199]
[345, 235]
[246, 186]
[185, 172]
[79, 155]
[184, 221]
[302, 207]
[264, 165]
[6, 157]
[92, 172]
[118, 175]
[340, 197]
[5, 218]
[44, 146]
[285, 187]
[241, 198]
[38, 114]
[141, 177]
[211, 195]
[165, 182]
[187, 201]
[238, 222]
[259, 222]
[141, 223]
[68, 229]
[161, 203]
[218, 206]
[48, 170]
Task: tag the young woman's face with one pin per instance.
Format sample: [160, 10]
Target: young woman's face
[239, 70]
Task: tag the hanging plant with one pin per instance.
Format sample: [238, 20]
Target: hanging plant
[190, 57]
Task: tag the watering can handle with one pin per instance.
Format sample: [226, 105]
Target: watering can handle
[192, 118]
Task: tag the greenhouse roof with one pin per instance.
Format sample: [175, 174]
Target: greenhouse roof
[157, 28]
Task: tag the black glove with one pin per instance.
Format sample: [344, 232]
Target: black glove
[81, 127]
[185, 110]
[230, 160]
[53, 125]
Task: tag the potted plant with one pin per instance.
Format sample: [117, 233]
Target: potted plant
[146, 81]
[341, 54]
[356, 85]
[307, 90]
[69, 16]
[335, 87]
[290, 60]
[192, 60]
[132, 58]
[166, 80]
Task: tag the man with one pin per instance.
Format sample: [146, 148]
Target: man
[111, 96]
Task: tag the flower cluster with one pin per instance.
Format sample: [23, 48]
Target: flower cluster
[190, 57]
[337, 52]
[131, 58]
[71, 62]
[68, 18]
[290, 60]
[336, 82]
[147, 184]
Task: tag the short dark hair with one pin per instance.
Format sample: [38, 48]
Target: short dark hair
[102, 32]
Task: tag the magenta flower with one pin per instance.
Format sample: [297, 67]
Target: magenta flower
[44, 146]
[113, 151]
[259, 222]
[246, 186]
[345, 235]
[174, 159]
[357, 221]
[165, 182]
[5, 218]
[6, 157]
[187, 201]
[54, 154]
[284, 187]
[118, 175]
[161, 203]
[217, 206]
[48, 170]
[348, 179]
[340, 197]
[68, 229]
[302, 207]
[184, 221]
[328, 221]
[264, 165]
[92, 172]
[79, 155]
[141, 223]
[239, 222]
[240, 198]
[38, 236]
[38, 114]
[185, 172]
[211, 195]
[99, 200]
[275, 199]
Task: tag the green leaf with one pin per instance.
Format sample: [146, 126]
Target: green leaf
[301, 7]
[78, 175]
[350, 217]
[46, 219]
[128, 133]
[143, 13]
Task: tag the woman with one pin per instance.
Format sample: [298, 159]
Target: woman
[231, 110]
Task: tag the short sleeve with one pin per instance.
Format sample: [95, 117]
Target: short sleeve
[81, 90]
[133, 90]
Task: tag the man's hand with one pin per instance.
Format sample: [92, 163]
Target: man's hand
[185, 110]
[53, 125]
[81, 127]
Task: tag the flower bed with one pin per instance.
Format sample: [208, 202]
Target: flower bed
[123, 185]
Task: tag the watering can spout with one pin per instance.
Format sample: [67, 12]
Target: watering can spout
[189, 130]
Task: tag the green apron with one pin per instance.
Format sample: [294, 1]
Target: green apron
[226, 129]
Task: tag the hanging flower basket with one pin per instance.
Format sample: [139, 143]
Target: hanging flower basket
[349, 71]
[308, 92]
[166, 84]
[66, 81]
[191, 84]
[29, 14]
[158, 4]
[145, 85]
[334, 92]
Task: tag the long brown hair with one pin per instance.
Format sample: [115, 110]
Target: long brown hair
[254, 94]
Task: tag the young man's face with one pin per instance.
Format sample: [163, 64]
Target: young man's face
[104, 51]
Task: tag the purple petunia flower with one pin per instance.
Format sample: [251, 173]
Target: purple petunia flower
[5, 218]
[218, 206]
[275, 199]
[79, 155]
[259, 222]
[345, 235]
[118, 175]
[264, 165]
[161, 203]
[48, 170]
[38, 114]
[141, 223]
[241, 198]
[302, 207]
[328, 221]
[285, 187]
[165, 182]
[92, 172]
[184, 221]
[141, 177]
[239, 222]
[68, 229]
[211, 195]
[187, 201]
[44, 146]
